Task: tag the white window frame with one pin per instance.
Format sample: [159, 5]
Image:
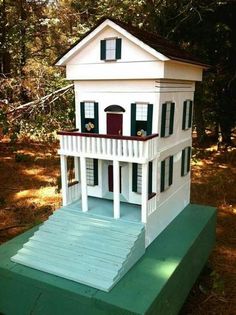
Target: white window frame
[167, 120]
[142, 111]
[90, 171]
[110, 48]
[89, 109]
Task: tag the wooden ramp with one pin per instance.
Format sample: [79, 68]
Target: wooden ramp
[89, 249]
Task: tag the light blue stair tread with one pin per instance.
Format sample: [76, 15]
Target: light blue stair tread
[79, 263]
[95, 243]
[107, 235]
[116, 223]
[67, 219]
[114, 255]
[80, 251]
[90, 249]
[61, 271]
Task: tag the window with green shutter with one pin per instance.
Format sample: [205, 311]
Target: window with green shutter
[166, 173]
[185, 161]
[167, 119]
[137, 178]
[92, 171]
[141, 119]
[110, 49]
[187, 114]
[89, 117]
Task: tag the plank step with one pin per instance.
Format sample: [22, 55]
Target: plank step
[88, 249]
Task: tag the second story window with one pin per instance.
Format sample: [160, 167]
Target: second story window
[187, 114]
[141, 119]
[167, 119]
[89, 117]
[166, 173]
[111, 49]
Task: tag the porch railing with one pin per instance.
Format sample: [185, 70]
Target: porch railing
[152, 204]
[73, 192]
[109, 147]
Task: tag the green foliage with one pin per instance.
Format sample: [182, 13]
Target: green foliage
[35, 33]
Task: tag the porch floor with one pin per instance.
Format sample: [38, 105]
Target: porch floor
[104, 207]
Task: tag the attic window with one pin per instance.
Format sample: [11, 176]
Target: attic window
[111, 49]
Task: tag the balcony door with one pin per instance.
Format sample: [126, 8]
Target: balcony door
[114, 124]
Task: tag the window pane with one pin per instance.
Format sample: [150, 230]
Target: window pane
[89, 110]
[187, 114]
[90, 172]
[141, 112]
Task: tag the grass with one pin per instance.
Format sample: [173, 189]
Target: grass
[28, 195]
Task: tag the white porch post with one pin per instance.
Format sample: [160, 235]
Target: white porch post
[144, 192]
[64, 180]
[84, 194]
[76, 164]
[116, 189]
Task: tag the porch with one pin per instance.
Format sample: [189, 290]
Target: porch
[104, 207]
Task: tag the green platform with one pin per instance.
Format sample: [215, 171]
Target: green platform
[158, 284]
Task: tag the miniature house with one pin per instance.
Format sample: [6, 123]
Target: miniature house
[131, 152]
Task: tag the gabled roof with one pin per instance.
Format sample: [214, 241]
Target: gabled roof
[159, 44]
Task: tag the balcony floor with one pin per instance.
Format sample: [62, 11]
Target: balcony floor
[104, 207]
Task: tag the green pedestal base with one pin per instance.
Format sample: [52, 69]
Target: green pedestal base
[158, 284]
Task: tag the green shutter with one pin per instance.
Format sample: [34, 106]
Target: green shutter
[134, 177]
[162, 176]
[95, 170]
[96, 119]
[172, 113]
[150, 177]
[190, 114]
[182, 162]
[171, 170]
[163, 119]
[82, 115]
[189, 159]
[133, 120]
[103, 49]
[184, 115]
[118, 48]
[149, 119]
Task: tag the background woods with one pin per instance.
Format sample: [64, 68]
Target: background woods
[35, 32]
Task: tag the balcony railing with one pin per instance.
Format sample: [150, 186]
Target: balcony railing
[109, 147]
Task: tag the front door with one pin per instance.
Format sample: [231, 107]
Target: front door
[110, 178]
[114, 124]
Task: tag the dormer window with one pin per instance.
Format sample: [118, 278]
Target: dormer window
[111, 49]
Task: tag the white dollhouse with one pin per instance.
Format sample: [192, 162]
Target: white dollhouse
[131, 150]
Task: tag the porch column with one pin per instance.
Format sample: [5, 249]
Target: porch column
[76, 164]
[84, 194]
[64, 180]
[144, 192]
[116, 189]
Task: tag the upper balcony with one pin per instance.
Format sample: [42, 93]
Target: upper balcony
[109, 147]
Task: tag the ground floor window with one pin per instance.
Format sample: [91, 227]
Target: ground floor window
[185, 161]
[166, 173]
[92, 172]
[137, 178]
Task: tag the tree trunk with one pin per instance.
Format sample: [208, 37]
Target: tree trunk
[4, 54]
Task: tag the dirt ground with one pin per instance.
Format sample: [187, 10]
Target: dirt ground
[29, 175]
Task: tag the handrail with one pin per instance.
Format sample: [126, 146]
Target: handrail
[74, 132]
